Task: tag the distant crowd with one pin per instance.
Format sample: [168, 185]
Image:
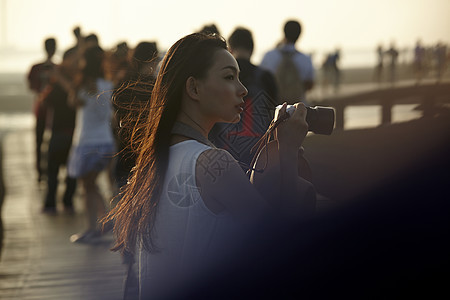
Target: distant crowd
[427, 61]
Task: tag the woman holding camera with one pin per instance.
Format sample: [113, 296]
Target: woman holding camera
[184, 195]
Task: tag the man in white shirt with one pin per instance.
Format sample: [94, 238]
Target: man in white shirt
[292, 87]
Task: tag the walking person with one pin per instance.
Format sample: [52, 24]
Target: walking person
[93, 146]
[335, 69]
[38, 78]
[186, 199]
[440, 53]
[293, 69]
[419, 61]
[55, 97]
[378, 72]
[331, 71]
[393, 54]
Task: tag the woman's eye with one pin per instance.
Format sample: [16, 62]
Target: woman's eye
[230, 77]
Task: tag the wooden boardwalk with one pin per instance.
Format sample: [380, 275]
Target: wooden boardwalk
[38, 260]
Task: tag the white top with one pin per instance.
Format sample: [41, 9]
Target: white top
[186, 232]
[93, 123]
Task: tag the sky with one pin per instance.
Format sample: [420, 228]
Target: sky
[356, 26]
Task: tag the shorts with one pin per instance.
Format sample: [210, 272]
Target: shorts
[88, 158]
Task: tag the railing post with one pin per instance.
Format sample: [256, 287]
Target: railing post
[340, 116]
[428, 104]
[386, 112]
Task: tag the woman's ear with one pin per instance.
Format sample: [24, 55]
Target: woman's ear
[192, 88]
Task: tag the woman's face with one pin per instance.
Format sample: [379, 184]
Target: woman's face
[221, 93]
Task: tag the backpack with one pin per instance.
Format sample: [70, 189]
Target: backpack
[290, 84]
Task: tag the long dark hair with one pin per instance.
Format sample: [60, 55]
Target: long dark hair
[134, 215]
[131, 97]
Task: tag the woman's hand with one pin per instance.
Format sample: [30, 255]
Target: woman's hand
[298, 194]
[291, 132]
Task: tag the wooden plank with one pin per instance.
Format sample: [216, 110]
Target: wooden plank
[38, 261]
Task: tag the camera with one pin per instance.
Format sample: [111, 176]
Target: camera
[320, 119]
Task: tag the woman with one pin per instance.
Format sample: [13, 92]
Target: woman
[93, 146]
[183, 192]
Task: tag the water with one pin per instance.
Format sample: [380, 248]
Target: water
[369, 116]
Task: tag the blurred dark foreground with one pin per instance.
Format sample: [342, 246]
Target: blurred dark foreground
[388, 241]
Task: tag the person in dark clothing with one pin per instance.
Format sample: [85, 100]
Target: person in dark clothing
[259, 107]
[331, 70]
[210, 29]
[63, 124]
[38, 78]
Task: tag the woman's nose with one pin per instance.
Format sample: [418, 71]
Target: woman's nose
[243, 90]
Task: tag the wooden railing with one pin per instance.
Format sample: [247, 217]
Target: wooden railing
[426, 95]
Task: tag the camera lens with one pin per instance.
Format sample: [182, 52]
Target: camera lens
[320, 119]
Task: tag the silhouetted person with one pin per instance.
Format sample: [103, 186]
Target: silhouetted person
[331, 70]
[293, 83]
[38, 78]
[335, 57]
[210, 29]
[260, 102]
[378, 72]
[440, 53]
[84, 42]
[91, 40]
[63, 124]
[393, 55]
[79, 47]
[419, 61]
[78, 36]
